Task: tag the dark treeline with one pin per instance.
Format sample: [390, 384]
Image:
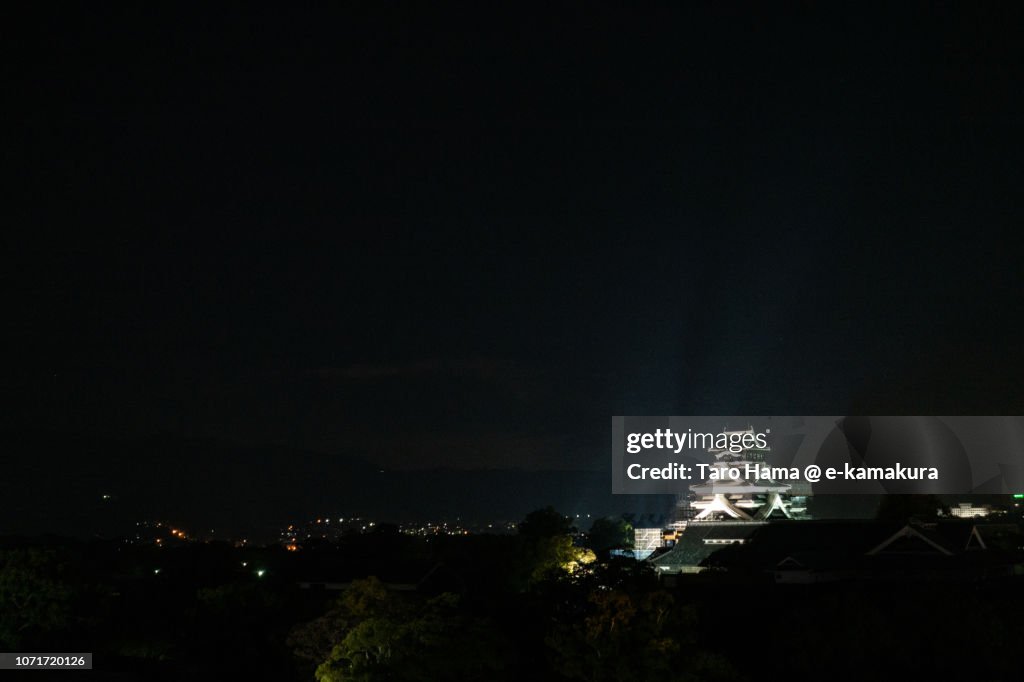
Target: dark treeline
[545, 604]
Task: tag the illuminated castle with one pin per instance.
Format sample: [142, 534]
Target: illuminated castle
[738, 503]
[729, 494]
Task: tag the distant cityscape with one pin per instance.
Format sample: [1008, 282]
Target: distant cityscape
[298, 533]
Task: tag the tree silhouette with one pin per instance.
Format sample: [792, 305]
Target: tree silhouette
[35, 598]
[407, 640]
[609, 533]
[903, 508]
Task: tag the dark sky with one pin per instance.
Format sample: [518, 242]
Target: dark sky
[449, 237]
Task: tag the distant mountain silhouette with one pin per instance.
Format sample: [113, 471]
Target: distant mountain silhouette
[205, 484]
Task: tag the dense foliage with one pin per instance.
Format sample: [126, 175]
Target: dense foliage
[538, 604]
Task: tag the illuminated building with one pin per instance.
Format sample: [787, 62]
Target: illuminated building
[645, 541]
[728, 496]
[967, 510]
[730, 493]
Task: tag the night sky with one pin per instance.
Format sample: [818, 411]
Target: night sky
[429, 237]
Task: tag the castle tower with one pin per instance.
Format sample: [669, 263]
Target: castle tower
[728, 494]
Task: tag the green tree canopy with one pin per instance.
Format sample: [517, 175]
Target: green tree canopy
[372, 633]
[609, 533]
[545, 523]
[35, 598]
